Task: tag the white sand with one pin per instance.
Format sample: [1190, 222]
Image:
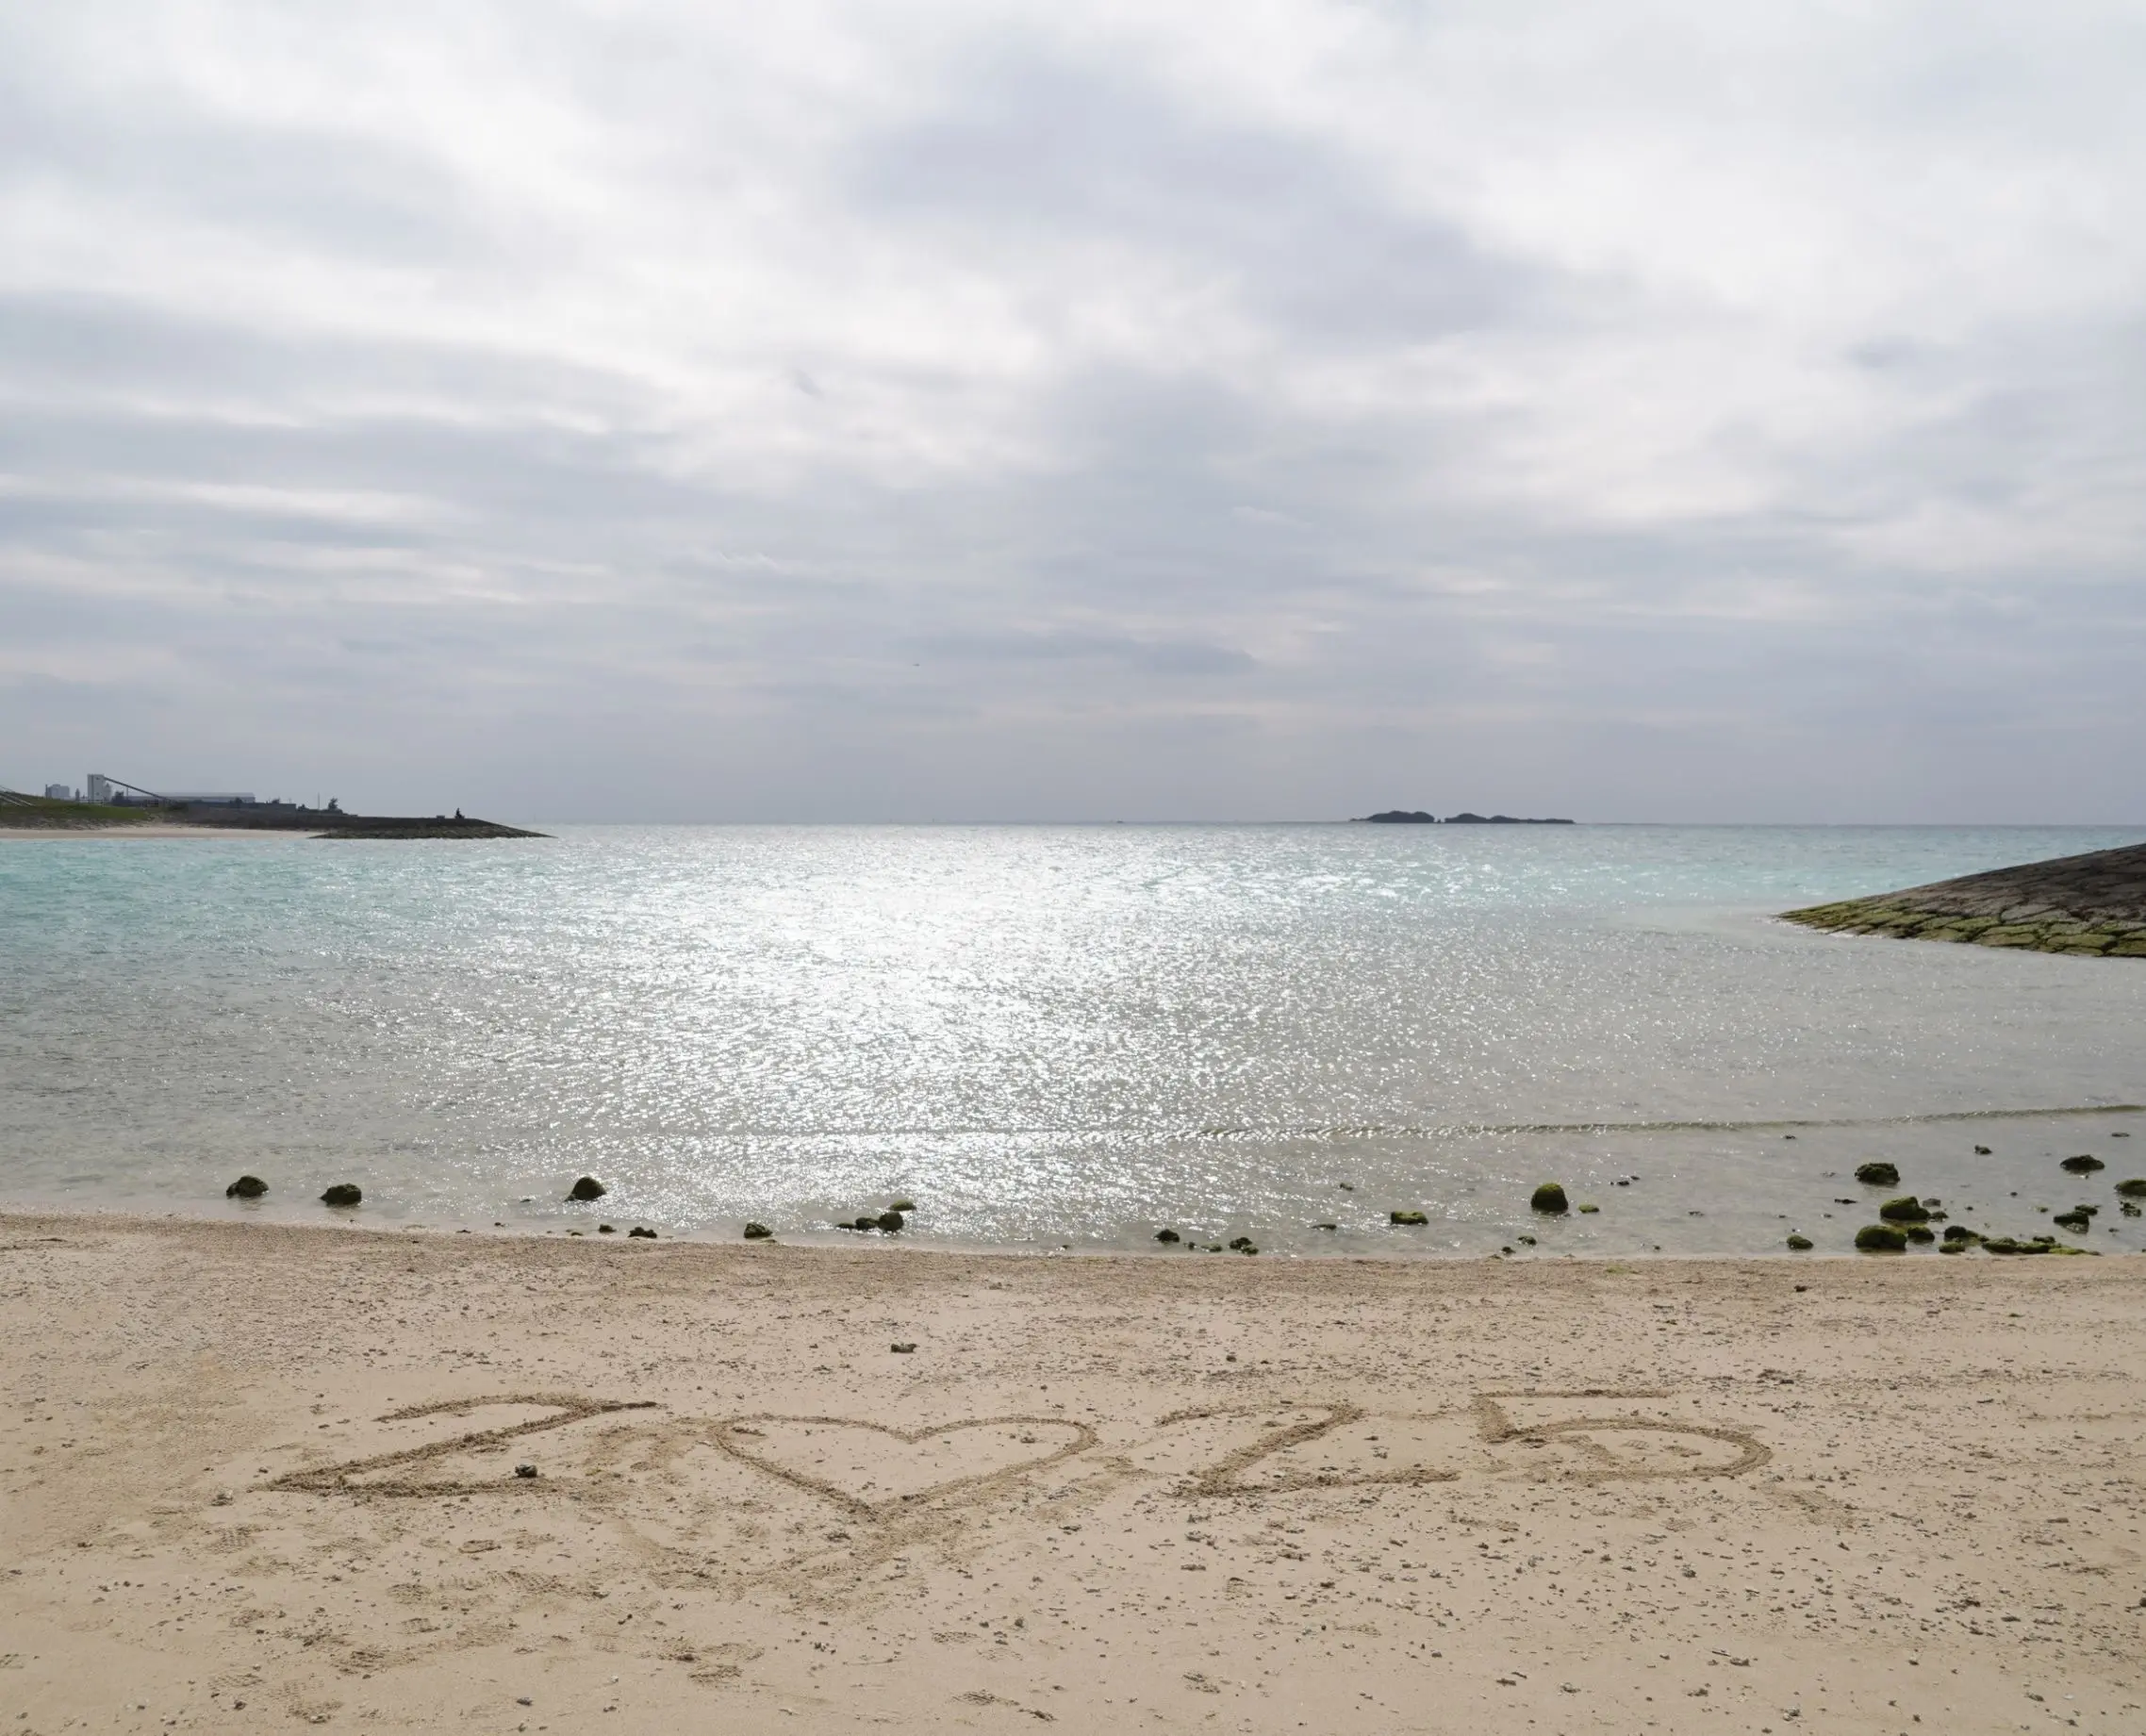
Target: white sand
[245, 1486]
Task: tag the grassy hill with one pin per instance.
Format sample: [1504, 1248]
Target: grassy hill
[18, 811]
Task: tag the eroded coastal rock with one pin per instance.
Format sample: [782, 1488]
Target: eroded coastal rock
[2092, 906]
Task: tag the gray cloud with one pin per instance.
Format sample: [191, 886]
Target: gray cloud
[1199, 413]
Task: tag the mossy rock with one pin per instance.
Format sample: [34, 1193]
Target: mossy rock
[2133, 1189]
[2084, 1164]
[1407, 1217]
[2074, 1221]
[901, 1205]
[757, 1233]
[1904, 1210]
[1961, 1233]
[889, 1221]
[1802, 1243]
[1920, 1234]
[2011, 1244]
[1952, 1248]
[1878, 1174]
[1588, 1207]
[1550, 1197]
[1881, 1239]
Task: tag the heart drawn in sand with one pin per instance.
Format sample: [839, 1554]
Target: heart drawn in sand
[873, 1471]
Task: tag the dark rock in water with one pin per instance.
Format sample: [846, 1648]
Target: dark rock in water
[1881, 1239]
[1878, 1174]
[1402, 817]
[2073, 1220]
[1407, 1217]
[342, 1193]
[1801, 1243]
[757, 1233]
[2008, 1245]
[1920, 1234]
[1249, 1248]
[890, 1221]
[1326, 1225]
[246, 1187]
[868, 1221]
[1906, 1210]
[1982, 1150]
[605, 1229]
[525, 1471]
[588, 1187]
[2133, 1189]
[1960, 1232]
[1588, 1207]
[901, 1205]
[645, 1234]
[2084, 1164]
[1549, 1196]
[1167, 1235]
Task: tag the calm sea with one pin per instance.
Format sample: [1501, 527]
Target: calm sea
[1054, 1037]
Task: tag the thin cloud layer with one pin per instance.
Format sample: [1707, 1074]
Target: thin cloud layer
[941, 411]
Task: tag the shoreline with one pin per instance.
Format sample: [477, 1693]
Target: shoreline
[331, 1221]
[253, 1472]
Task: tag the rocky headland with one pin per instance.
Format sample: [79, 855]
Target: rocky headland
[2092, 905]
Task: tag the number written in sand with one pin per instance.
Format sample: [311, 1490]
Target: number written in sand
[874, 1471]
[377, 1472]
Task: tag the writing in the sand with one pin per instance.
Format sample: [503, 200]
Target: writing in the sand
[874, 1470]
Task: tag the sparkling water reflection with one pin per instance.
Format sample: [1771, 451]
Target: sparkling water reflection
[1043, 1036]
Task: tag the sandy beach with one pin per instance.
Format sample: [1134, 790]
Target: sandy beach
[258, 1475]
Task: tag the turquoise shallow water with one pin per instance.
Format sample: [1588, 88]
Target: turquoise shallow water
[1050, 1036]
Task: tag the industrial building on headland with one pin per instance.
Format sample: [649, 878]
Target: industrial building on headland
[113, 792]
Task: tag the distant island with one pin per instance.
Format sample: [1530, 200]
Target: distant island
[1407, 817]
[121, 806]
[2092, 906]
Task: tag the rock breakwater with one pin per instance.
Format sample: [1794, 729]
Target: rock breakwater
[2092, 905]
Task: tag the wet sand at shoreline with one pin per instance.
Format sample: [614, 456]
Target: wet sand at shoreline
[260, 1475]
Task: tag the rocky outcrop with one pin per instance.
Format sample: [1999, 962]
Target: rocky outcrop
[1499, 819]
[2093, 906]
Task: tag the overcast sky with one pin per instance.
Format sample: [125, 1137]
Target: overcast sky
[942, 408]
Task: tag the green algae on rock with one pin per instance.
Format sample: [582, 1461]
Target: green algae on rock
[2092, 905]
